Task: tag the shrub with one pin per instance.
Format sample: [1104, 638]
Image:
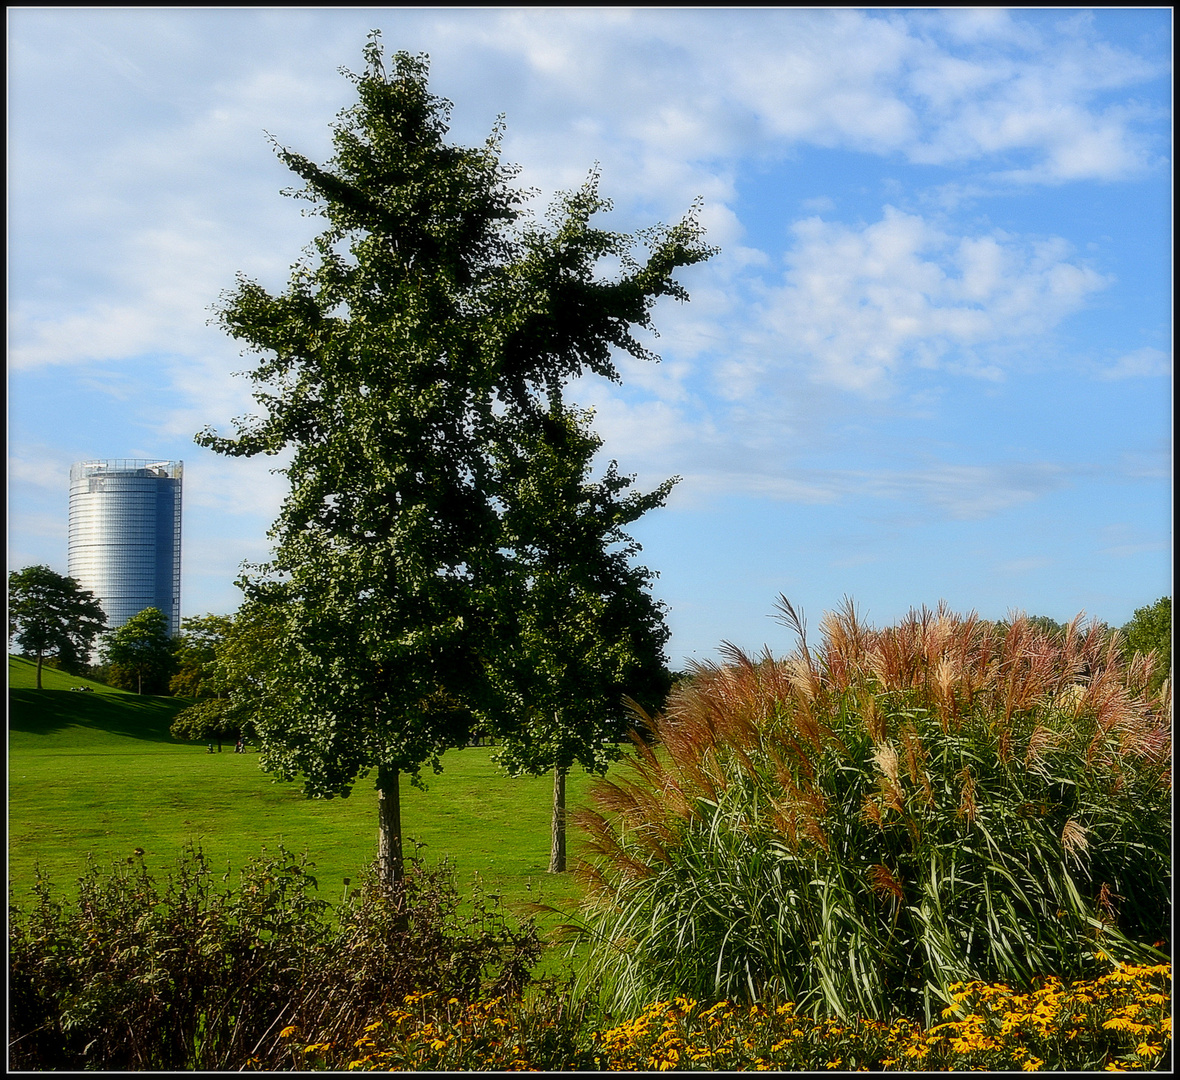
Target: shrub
[413, 939]
[142, 977]
[855, 829]
[187, 975]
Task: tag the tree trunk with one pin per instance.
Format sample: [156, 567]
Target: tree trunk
[390, 866]
[38, 670]
[557, 832]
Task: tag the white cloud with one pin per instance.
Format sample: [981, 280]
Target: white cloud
[976, 26]
[821, 204]
[973, 492]
[46, 526]
[1129, 551]
[859, 304]
[945, 491]
[666, 100]
[669, 97]
[1125, 541]
[245, 487]
[44, 467]
[1145, 363]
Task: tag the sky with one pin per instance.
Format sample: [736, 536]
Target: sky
[931, 361]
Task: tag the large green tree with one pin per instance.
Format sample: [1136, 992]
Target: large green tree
[1150, 630]
[587, 632]
[141, 652]
[424, 315]
[51, 615]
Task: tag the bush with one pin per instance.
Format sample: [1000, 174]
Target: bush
[858, 828]
[191, 976]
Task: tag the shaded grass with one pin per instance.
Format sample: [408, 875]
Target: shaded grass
[98, 774]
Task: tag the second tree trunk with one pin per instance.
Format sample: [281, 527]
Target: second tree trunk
[557, 833]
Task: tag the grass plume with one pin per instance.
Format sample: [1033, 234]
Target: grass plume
[859, 824]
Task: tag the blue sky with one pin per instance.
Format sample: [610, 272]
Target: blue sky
[932, 361]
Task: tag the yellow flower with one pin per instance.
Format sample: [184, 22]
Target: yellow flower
[287, 1032]
[1147, 1050]
[1031, 1064]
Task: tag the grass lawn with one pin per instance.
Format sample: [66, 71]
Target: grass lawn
[98, 773]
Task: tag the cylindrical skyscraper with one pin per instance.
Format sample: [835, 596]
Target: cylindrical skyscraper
[125, 536]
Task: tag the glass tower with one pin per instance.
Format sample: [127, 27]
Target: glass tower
[125, 536]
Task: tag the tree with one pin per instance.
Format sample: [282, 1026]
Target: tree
[49, 614]
[196, 656]
[204, 675]
[1046, 624]
[228, 664]
[588, 632]
[421, 312]
[1150, 630]
[141, 651]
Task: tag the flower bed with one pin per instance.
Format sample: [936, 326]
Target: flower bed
[1119, 1021]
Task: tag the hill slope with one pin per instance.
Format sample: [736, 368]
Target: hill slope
[60, 717]
[22, 675]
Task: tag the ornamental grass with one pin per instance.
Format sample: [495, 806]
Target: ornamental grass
[863, 825]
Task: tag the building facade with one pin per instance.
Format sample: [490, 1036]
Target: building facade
[125, 535]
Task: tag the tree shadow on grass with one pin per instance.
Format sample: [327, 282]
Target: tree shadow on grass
[45, 712]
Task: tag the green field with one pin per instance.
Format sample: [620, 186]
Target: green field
[98, 773]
